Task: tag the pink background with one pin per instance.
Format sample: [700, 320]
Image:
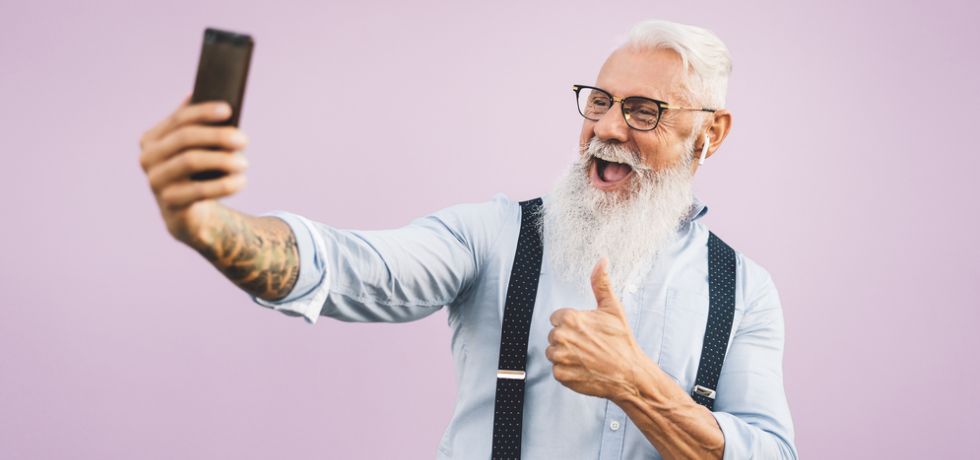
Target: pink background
[851, 175]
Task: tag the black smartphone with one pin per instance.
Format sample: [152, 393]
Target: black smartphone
[221, 75]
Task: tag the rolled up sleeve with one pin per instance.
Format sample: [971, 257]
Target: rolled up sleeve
[751, 406]
[308, 294]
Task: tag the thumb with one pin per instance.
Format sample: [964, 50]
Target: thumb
[605, 299]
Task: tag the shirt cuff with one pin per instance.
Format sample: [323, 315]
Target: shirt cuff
[738, 438]
[311, 288]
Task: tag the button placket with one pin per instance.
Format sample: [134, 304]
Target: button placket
[613, 433]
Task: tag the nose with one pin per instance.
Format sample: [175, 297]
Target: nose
[612, 125]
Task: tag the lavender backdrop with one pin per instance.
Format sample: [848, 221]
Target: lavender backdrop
[851, 174]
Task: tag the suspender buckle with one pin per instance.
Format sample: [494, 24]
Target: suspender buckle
[511, 375]
[704, 391]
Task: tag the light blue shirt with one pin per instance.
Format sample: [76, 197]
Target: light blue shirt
[461, 258]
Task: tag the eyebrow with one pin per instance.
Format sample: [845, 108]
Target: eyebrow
[632, 95]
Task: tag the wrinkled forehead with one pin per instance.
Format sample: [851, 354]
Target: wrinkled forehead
[655, 73]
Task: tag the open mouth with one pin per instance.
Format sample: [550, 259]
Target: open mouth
[606, 174]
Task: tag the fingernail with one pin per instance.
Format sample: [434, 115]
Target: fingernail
[241, 160]
[222, 109]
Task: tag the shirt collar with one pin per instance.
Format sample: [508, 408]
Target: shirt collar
[698, 210]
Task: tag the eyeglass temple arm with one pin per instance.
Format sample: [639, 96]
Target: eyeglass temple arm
[701, 109]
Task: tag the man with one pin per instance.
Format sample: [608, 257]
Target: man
[622, 293]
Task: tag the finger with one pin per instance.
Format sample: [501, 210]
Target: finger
[560, 372]
[190, 136]
[561, 316]
[558, 336]
[553, 354]
[179, 167]
[605, 299]
[202, 112]
[182, 194]
[185, 114]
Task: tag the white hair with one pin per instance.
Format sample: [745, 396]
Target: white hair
[705, 56]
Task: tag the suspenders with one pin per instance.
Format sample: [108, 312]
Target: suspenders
[508, 411]
[721, 311]
[508, 406]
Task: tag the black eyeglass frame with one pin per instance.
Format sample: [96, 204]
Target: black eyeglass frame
[661, 106]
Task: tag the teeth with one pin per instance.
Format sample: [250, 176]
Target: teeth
[611, 161]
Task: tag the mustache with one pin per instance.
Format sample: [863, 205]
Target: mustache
[615, 152]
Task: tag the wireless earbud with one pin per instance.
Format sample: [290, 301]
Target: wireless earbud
[704, 150]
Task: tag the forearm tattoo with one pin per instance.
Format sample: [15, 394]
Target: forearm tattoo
[257, 254]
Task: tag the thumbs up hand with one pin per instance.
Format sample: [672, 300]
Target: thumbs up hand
[594, 352]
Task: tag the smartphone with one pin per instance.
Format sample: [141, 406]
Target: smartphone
[221, 75]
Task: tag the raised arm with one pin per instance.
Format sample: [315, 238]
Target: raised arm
[258, 254]
[393, 275]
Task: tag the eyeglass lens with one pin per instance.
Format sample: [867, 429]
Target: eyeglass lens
[640, 113]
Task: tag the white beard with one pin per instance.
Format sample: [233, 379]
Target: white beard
[582, 223]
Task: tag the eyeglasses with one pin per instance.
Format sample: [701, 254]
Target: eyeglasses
[641, 113]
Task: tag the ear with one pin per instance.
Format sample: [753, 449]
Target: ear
[717, 128]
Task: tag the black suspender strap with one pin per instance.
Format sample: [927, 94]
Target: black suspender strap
[721, 312]
[508, 410]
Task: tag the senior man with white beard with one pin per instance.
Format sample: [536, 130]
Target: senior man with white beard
[610, 275]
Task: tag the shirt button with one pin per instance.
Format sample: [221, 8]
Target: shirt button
[614, 425]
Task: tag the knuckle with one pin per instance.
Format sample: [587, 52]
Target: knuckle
[558, 335]
[154, 179]
[193, 135]
[226, 186]
[553, 353]
[192, 161]
[167, 198]
[230, 136]
[221, 135]
[184, 163]
[181, 137]
[194, 116]
[559, 315]
[570, 318]
[176, 120]
[196, 113]
[221, 186]
[197, 190]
